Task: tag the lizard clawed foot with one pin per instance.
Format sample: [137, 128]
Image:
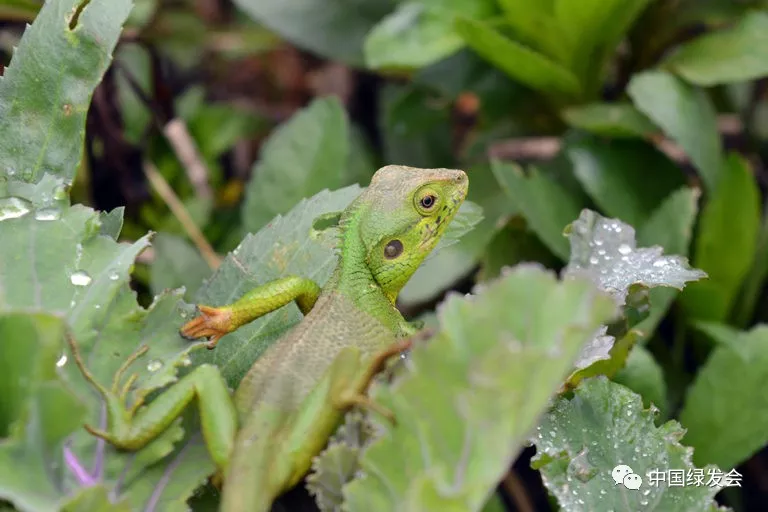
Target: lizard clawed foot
[99, 433]
[213, 323]
[362, 401]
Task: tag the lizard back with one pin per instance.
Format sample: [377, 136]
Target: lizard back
[292, 366]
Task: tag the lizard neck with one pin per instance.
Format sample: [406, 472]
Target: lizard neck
[353, 279]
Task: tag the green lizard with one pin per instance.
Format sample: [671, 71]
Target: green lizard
[294, 396]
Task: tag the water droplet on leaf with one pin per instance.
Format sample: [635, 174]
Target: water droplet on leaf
[625, 249]
[47, 214]
[154, 365]
[62, 360]
[13, 207]
[80, 278]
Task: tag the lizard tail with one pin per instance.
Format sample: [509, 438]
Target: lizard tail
[254, 477]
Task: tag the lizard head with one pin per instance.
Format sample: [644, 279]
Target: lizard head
[406, 212]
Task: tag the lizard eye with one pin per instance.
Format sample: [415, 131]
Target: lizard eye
[428, 201]
[393, 249]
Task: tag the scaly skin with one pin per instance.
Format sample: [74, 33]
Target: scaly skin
[295, 395]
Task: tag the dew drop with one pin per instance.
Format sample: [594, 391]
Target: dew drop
[62, 360]
[47, 214]
[80, 278]
[154, 365]
[593, 260]
[660, 263]
[601, 252]
[13, 207]
[625, 249]
[598, 242]
[114, 276]
[186, 361]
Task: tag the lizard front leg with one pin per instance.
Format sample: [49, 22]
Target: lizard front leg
[215, 322]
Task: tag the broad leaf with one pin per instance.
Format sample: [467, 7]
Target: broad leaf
[418, 33]
[46, 90]
[643, 375]
[619, 120]
[469, 396]
[416, 127]
[519, 62]
[725, 253]
[735, 54]
[546, 204]
[535, 26]
[592, 29]
[686, 115]
[334, 29]
[726, 410]
[605, 250]
[177, 263]
[73, 270]
[581, 440]
[302, 157]
[627, 179]
[669, 226]
[37, 412]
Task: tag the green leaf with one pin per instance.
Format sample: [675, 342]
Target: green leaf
[286, 246]
[626, 179]
[725, 253]
[546, 204]
[46, 89]
[469, 396]
[335, 29]
[669, 226]
[135, 113]
[303, 156]
[619, 120]
[71, 269]
[519, 62]
[37, 412]
[592, 29]
[726, 409]
[337, 464]
[686, 115]
[177, 263]
[735, 54]
[512, 245]
[605, 251]
[643, 375]
[581, 440]
[416, 127]
[418, 33]
[450, 264]
[534, 25]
